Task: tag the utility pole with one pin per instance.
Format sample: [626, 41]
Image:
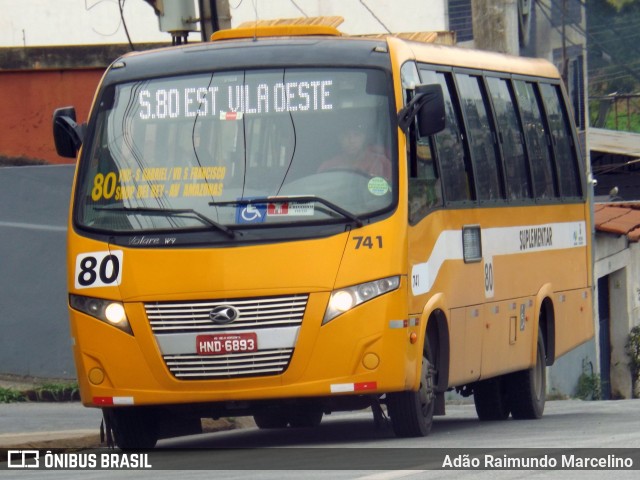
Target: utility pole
[565, 58]
[214, 15]
[495, 25]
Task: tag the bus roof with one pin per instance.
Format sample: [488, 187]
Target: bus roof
[434, 48]
[482, 60]
[429, 47]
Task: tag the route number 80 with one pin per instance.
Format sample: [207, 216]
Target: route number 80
[98, 269]
[488, 278]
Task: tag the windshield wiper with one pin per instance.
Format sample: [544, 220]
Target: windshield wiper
[302, 198]
[168, 212]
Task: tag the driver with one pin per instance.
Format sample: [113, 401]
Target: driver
[356, 157]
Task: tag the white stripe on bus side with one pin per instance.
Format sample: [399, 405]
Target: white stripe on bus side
[495, 242]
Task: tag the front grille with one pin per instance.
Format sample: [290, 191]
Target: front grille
[276, 317]
[194, 367]
[178, 317]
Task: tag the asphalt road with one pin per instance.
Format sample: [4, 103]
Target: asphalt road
[568, 423]
[348, 446]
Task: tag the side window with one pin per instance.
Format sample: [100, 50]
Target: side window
[563, 146]
[425, 191]
[511, 140]
[537, 140]
[454, 166]
[480, 134]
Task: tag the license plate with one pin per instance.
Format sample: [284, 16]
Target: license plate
[225, 343]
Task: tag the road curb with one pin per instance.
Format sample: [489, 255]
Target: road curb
[85, 438]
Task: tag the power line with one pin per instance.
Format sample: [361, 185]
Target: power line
[374, 15]
[587, 35]
[299, 9]
[124, 24]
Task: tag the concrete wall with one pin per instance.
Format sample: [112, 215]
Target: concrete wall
[619, 259]
[562, 377]
[36, 81]
[27, 102]
[34, 323]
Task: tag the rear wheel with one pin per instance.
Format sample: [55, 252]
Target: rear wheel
[527, 388]
[412, 412]
[490, 398]
[133, 428]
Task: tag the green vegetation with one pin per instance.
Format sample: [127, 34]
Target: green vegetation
[612, 47]
[619, 113]
[11, 395]
[46, 392]
[632, 349]
[588, 387]
[588, 383]
[55, 392]
[613, 55]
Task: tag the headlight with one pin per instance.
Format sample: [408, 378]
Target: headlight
[345, 299]
[106, 310]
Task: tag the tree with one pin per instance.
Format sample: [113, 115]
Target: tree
[613, 28]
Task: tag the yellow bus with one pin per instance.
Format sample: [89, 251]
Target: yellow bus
[286, 222]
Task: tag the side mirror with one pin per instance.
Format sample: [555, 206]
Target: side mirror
[428, 105]
[67, 134]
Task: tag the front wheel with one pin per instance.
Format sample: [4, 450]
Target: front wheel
[412, 412]
[133, 428]
[305, 417]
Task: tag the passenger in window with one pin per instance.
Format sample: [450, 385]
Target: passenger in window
[356, 156]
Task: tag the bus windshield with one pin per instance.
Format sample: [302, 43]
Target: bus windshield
[240, 149]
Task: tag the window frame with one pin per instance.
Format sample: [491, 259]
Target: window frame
[578, 167]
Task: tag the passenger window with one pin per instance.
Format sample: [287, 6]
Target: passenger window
[425, 190]
[511, 140]
[563, 146]
[537, 140]
[454, 166]
[480, 133]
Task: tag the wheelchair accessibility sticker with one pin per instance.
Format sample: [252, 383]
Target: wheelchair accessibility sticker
[251, 213]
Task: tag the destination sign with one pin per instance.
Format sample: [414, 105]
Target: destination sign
[185, 102]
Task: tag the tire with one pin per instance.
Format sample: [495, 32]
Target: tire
[412, 412]
[305, 417]
[270, 419]
[527, 388]
[490, 399]
[133, 428]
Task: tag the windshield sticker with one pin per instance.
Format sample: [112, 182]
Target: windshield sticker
[172, 182]
[230, 115]
[190, 102]
[251, 213]
[378, 186]
[291, 209]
